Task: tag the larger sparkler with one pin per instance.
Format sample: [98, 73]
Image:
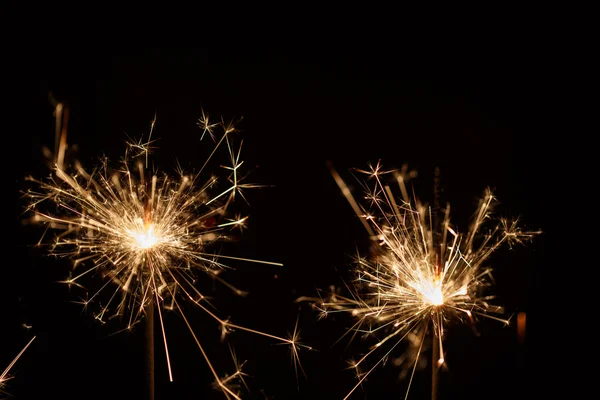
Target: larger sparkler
[148, 235]
[422, 273]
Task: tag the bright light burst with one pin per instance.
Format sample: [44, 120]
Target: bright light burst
[422, 274]
[147, 234]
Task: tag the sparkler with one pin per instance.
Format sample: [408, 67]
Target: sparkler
[422, 275]
[147, 235]
[4, 377]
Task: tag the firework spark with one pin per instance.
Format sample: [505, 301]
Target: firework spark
[422, 275]
[4, 376]
[148, 235]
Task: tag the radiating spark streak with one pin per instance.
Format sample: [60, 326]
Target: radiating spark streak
[236, 222]
[376, 364]
[353, 203]
[251, 260]
[150, 138]
[422, 273]
[414, 368]
[162, 328]
[147, 235]
[213, 152]
[62, 123]
[222, 386]
[4, 375]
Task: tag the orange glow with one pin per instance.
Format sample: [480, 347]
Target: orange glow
[521, 322]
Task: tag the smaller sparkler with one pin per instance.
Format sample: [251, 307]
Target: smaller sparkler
[147, 234]
[4, 376]
[422, 275]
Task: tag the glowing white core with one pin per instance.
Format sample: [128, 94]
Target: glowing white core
[146, 239]
[435, 296]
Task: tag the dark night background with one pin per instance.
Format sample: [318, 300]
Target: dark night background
[475, 120]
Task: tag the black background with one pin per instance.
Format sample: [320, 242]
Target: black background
[475, 119]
